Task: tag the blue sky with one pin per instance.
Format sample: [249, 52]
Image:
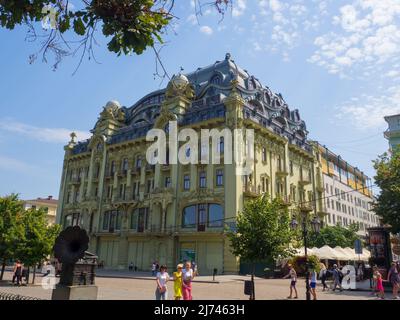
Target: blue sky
[336, 61]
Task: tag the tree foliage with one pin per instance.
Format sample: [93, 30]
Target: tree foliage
[24, 235]
[334, 236]
[11, 229]
[38, 240]
[131, 25]
[387, 204]
[299, 263]
[262, 231]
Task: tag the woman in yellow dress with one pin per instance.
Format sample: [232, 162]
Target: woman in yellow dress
[178, 282]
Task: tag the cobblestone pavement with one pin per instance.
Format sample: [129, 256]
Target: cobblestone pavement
[229, 289]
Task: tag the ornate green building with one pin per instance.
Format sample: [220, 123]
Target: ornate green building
[140, 213]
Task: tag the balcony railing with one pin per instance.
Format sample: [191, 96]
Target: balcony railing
[251, 191]
[281, 170]
[306, 207]
[304, 179]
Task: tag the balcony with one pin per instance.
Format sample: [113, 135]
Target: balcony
[305, 179]
[76, 180]
[150, 168]
[281, 171]
[306, 207]
[123, 173]
[110, 175]
[136, 171]
[287, 200]
[251, 191]
[165, 167]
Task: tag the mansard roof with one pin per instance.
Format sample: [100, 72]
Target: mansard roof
[212, 84]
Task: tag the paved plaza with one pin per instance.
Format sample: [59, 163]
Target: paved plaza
[118, 286]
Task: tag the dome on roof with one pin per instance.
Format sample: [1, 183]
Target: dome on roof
[113, 104]
[180, 81]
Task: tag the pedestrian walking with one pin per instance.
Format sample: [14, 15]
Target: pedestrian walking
[323, 273]
[394, 278]
[17, 272]
[379, 285]
[337, 278]
[131, 266]
[313, 283]
[374, 279]
[162, 279]
[153, 269]
[187, 278]
[293, 280]
[177, 276]
[360, 272]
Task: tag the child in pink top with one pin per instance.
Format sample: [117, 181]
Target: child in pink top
[379, 285]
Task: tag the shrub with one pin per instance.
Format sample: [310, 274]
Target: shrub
[299, 264]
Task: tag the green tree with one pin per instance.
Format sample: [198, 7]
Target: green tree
[11, 228]
[387, 204]
[334, 236]
[38, 241]
[131, 25]
[262, 231]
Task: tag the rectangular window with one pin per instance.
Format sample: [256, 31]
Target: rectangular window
[186, 182]
[112, 168]
[327, 189]
[138, 164]
[203, 179]
[106, 220]
[142, 219]
[202, 217]
[167, 182]
[291, 167]
[134, 219]
[220, 178]
[122, 191]
[264, 154]
[68, 220]
[149, 184]
[125, 165]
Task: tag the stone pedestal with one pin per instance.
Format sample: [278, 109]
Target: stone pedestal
[75, 293]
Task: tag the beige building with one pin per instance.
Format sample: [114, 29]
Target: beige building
[136, 212]
[347, 192]
[48, 204]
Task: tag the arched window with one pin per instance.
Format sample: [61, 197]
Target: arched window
[217, 80]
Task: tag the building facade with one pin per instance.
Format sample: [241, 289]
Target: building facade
[140, 213]
[48, 204]
[393, 132]
[347, 193]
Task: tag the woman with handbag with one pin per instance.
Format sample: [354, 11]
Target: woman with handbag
[187, 278]
[162, 279]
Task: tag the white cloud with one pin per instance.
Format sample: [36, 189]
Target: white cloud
[52, 135]
[206, 30]
[368, 111]
[11, 164]
[367, 37]
[239, 8]
[284, 23]
[192, 19]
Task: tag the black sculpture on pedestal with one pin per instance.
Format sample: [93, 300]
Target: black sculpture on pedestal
[78, 265]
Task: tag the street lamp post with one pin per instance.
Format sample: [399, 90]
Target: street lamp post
[315, 225]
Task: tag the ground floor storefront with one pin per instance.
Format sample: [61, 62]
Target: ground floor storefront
[209, 252]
